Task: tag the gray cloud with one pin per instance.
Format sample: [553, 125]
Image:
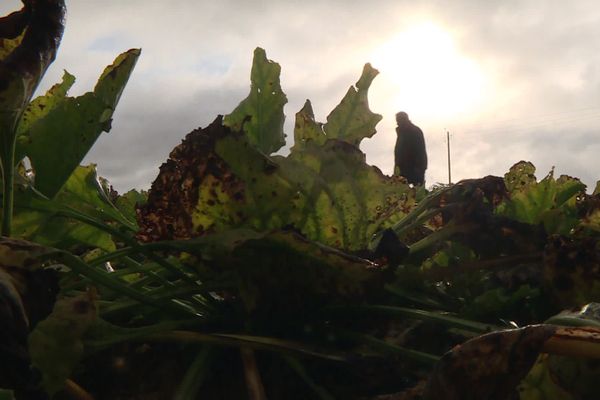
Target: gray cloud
[543, 56]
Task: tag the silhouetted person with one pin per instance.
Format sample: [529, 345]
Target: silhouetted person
[410, 154]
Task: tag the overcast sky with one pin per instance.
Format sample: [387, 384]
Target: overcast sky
[509, 80]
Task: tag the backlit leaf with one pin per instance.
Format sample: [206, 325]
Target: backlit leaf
[215, 180]
[39, 219]
[38, 108]
[551, 202]
[260, 115]
[352, 120]
[306, 129]
[127, 203]
[347, 200]
[57, 142]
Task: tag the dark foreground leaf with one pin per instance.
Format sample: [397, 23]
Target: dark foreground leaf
[29, 40]
[27, 293]
[489, 366]
[56, 344]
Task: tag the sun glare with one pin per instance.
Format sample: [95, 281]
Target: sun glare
[425, 74]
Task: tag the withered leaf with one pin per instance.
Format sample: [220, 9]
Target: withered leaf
[489, 366]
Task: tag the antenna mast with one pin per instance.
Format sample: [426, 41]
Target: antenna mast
[449, 168]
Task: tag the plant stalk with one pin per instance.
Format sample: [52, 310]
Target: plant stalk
[7, 195]
[8, 178]
[254, 385]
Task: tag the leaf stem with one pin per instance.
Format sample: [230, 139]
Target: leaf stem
[254, 385]
[253, 342]
[297, 366]
[195, 375]
[420, 357]
[8, 179]
[76, 392]
[440, 235]
[104, 279]
[422, 315]
[489, 264]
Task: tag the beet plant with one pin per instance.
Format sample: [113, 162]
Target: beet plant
[246, 274]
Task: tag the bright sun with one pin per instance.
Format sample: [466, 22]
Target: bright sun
[425, 74]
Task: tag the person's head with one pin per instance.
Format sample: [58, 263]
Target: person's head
[402, 118]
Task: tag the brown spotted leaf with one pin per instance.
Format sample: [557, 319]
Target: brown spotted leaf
[215, 181]
[488, 367]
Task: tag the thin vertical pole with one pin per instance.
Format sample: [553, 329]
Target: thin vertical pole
[449, 168]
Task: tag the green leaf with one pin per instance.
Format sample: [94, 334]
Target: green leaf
[306, 128]
[551, 202]
[56, 345]
[127, 203]
[84, 192]
[500, 301]
[352, 120]
[346, 200]
[520, 176]
[540, 383]
[111, 83]
[65, 233]
[41, 219]
[39, 108]
[23, 62]
[263, 106]
[57, 142]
